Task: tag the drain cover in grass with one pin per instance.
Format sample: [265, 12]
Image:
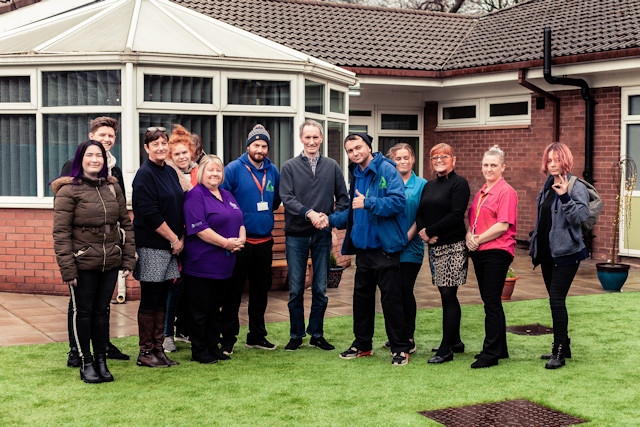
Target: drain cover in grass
[521, 413]
[536, 329]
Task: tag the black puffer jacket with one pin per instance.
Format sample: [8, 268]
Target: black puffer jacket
[89, 218]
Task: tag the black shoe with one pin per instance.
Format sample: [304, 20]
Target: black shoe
[227, 349]
[479, 355]
[219, 354]
[205, 361]
[484, 362]
[320, 343]
[114, 352]
[557, 357]
[100, 364]
[566, 349]
[441, 359]
[456, 348]
[74, 360]
[293, 344]
[88, 372]
[262, 343]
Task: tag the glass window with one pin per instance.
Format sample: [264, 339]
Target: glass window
[313, 97]
[462, 112]
[72, 88]
[203, 126]
[61, 135]
[334, 138]
[182, 89]
[399, 121]
[509, 109]
[634, 105]
[15, 89]
[259, 92]
[18, 172]
[360, 113]
[336, 101]
[386, 142]
[236, 129]
[633, 145]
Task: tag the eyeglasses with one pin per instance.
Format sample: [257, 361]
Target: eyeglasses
[156, 128]
[443, 158]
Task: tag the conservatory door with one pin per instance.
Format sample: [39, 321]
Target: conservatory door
[630, 238]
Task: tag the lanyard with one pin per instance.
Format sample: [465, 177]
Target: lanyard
[264, 181]
[481, 201]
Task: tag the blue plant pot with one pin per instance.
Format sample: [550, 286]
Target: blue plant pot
[612, 277]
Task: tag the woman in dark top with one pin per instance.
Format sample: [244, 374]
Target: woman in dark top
[556, 243]
[440, 219]
[159, 227]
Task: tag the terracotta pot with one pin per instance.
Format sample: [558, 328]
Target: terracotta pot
[507, 291]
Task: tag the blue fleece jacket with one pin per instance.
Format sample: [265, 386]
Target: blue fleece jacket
[381, 223]
[239, 182]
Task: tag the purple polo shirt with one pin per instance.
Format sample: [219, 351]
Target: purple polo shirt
[201, 211]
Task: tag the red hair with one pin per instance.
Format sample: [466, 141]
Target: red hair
[180, 136]
[440, 149]
[562, 155]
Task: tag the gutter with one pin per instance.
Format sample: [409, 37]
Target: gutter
[590, 103]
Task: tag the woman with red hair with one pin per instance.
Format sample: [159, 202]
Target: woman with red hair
[556, 242]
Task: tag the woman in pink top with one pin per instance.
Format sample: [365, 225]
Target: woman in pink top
[491, 243]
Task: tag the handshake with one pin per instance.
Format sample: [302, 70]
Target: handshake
[319, 220]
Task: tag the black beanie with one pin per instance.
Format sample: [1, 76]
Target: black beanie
[365, 137]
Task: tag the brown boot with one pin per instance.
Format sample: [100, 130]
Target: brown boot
[145, 332]
[158, 338]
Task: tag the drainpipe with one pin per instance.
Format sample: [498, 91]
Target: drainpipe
[588, 99]
[522, 80]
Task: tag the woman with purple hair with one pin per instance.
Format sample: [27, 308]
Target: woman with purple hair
[93, 239]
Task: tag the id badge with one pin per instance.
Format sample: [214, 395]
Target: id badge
[263, 206]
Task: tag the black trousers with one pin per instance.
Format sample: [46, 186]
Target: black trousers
[90, 317]
[409, 273]
[491, 267]
[205, 301]
[254, 262]
[558, 280]
[377, 268]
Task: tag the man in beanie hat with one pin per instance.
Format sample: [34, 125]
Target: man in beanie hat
[375, 234]
[254, 182]
[310, 188]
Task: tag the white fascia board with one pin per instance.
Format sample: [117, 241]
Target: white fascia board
[399, 81]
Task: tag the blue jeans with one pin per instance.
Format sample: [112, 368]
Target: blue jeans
[297, 255]
[174, 294]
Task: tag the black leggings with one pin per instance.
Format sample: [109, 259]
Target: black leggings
[153, 295]
[558, 280]
[451, 315]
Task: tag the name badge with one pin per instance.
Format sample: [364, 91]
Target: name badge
[263, 206]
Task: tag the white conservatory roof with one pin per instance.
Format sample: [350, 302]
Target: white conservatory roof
[142, 27]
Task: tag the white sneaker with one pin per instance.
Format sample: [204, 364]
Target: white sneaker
[169, 345]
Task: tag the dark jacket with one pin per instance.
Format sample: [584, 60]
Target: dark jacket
[87, 224]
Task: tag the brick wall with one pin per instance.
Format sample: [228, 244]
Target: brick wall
[523, 149]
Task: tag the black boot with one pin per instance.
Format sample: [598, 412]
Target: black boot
[88, 372]
[567, 351]
[74, 360]
[101, 367]
[114, 352]
[557, 357]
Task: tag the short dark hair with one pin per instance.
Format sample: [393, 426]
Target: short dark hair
[98, 122]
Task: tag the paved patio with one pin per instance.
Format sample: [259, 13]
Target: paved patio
[39, 319]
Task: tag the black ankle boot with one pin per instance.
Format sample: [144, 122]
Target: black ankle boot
[74, 360]
[88, 372]
[101, 367]
[567, 351]
[557, 357]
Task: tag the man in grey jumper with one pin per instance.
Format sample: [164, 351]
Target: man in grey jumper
[311, 188]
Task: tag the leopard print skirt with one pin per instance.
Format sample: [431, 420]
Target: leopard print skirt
[449, 264]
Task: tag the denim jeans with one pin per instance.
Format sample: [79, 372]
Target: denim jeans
[174, 294]
[297, 255]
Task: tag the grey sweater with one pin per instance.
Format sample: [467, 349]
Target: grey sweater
[300, 192]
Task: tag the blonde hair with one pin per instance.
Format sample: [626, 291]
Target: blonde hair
[400, 146]
[495, 151]
[208, 158]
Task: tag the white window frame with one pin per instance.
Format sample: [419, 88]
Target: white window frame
[33, 83]
[482, 113]
[333, 115]
[257, 109]
[177, 72]
[627, 119]
[419, 133]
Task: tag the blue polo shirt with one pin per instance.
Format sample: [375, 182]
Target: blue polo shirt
[201, 211]
[414, 251]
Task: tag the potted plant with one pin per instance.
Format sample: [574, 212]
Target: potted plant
[612, 274]
[509, 284]
[335, 272]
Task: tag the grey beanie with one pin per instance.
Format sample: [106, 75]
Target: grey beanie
[259, 132]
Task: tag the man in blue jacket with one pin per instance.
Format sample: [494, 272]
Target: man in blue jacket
[375, 234]
[254, 182]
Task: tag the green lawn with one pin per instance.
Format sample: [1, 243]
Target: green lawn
[314, 387]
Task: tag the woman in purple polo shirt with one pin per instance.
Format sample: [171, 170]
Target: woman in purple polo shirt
[491, 243]
[215, 232]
